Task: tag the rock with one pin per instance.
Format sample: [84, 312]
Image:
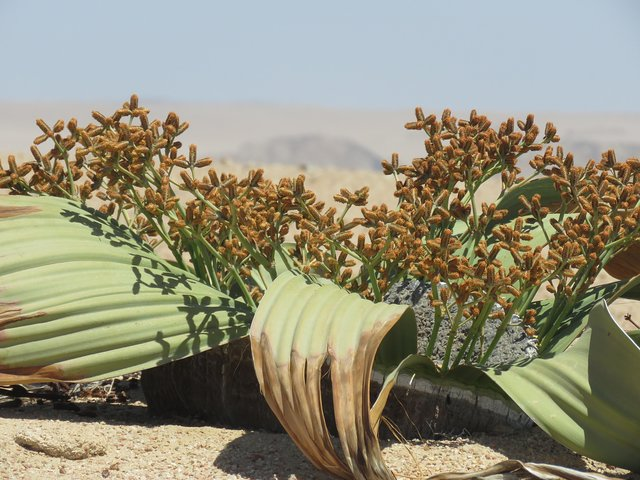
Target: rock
[513, 345]
[67, 446]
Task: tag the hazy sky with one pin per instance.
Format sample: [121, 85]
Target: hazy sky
[572, 55]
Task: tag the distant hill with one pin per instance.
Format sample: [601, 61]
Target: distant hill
[316, 136]
[308, 150]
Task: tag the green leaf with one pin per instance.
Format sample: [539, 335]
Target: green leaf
[581, 397]
[82, 298]
[585, 397]
[466, 377]
[635, 336]
[550, 197]
[628, 289]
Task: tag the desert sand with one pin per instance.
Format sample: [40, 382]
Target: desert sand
[124, 442]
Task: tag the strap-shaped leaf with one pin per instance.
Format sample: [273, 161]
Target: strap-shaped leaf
[82, 298]
[299, 323]
[584, 396]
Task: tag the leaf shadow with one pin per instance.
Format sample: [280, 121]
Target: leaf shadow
[152, 273]
[259, 455]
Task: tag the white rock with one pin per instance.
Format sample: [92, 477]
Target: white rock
[69, 447]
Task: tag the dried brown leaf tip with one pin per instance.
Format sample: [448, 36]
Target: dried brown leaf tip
[7, 211]
[37, 374]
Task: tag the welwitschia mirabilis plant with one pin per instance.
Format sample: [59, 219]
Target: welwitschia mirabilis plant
[82, 298]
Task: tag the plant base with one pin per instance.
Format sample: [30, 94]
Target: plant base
[220, 387]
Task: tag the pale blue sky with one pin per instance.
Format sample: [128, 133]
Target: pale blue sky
[494, 55]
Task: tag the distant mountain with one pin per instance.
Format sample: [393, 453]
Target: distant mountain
[315, 136]
[308, 150]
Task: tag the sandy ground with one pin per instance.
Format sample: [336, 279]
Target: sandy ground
[132, 445]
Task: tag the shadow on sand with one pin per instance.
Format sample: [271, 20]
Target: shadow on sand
[269, 455]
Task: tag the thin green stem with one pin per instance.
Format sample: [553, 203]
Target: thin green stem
[455, 324]
[347, 207]
[544, 230]
[232, 271]
[555, 326]
[256, 254]
[437, 321]
[158, 227]
[65, 157]
[474, 331]
[527, 297]
[399, 275]
[499, 332]
[558, 303]
[375, 288]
